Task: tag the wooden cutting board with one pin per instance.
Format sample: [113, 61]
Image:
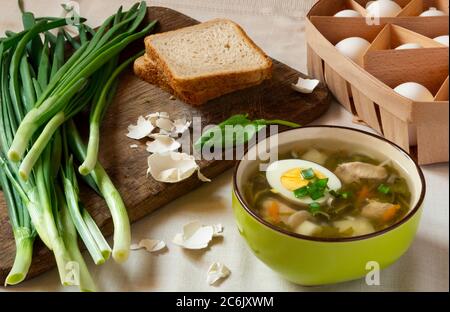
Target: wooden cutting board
[127, 167]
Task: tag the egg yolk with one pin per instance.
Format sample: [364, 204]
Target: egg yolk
[293, 179]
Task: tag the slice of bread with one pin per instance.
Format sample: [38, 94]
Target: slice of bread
[202, 62]
[214, 53]
[145, 68]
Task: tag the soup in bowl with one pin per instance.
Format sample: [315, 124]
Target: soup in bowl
[332, 204]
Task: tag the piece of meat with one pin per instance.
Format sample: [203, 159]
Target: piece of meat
[375, 210]
[354, 171]
[298, 218]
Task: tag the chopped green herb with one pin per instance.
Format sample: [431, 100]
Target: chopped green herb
[384, 189]
[346, 195]
[322, 183]
[340, 194]
[314, 208]
[316, 194]
[315, 189]
[301, 192]
[308, 174]
[227, 134]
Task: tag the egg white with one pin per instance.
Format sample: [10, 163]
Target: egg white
[278, 168]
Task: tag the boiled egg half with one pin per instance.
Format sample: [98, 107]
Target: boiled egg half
[285, 176]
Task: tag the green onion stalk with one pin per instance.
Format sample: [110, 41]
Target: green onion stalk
[30, 205]
[70, 238]
[89, 232]
[24, 233]
[51, 108]
[17, 201]
[41, 89]
[98, 110]
[122, 232]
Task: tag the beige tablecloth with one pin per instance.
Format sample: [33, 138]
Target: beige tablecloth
[277, 26]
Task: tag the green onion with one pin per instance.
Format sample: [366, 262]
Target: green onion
[384, 189]
[315, 189]
[322, 183]
[122, 232]
[314, 208]
[301, 192]
[97, 113]
[341, 194]
[316, 193]
[39, 94]
[308, 174]
[66, 83]
[70, 238]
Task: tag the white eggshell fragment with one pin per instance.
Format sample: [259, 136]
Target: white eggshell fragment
[142, 129]
[348, 13]
[432, 11]
[407, 46]
[155, 116]
[194, 236]
[443, 40]
[151, 245]
[383, 8]
[163, 144]
[306, 86]
[216, 272]
[353, 48]
[165, 124]
[414, 91]
[181, 125]
[218, 229]
[172, 167]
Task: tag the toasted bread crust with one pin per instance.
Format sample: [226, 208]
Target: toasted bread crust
[147, 70]
[216, 80]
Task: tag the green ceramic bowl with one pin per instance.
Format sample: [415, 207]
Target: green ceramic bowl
[316, 261]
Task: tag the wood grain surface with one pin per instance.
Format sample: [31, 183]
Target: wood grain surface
[127, 167]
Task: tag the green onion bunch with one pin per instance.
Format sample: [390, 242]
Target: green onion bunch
[46, 78]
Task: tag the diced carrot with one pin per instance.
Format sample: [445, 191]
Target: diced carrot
[274, 212]
[362, 195]
[390, 213]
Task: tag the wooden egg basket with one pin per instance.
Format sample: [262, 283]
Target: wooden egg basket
[365, 87]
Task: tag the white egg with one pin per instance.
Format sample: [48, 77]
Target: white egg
[407, 46]
[279, 169]
[433, 12]
[348, 13]
[369, 3]
[414, 91]
[442, 39]
[383, 8]
[353, 48]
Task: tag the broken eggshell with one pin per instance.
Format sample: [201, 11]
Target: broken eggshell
[164, 124]
[162, 144]
[141, 129]
[181, 125]
[151, 245]
[306, 86]
[216, 272]
[173, 167]
[197, 236]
